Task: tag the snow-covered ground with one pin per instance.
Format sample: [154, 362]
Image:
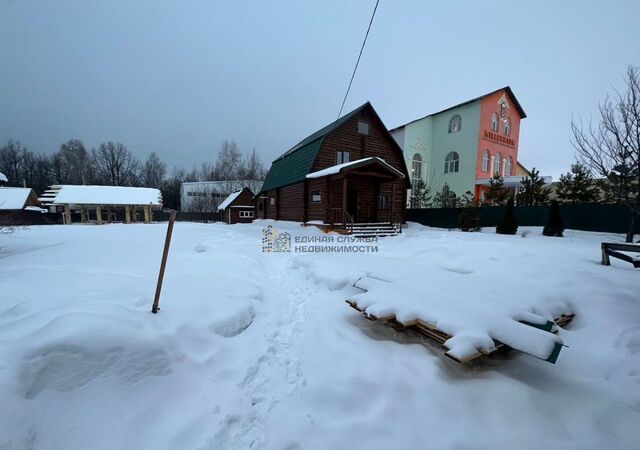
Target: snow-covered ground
[260, 350]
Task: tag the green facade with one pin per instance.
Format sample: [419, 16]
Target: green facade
[430, 138]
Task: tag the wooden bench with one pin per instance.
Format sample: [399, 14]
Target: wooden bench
[611, 249]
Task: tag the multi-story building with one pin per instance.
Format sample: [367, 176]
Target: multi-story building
[465, 145]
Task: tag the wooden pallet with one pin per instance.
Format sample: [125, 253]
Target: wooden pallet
[432, 333]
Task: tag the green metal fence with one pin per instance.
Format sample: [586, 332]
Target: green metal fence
[588, 217]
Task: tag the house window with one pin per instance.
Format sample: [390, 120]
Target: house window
[507, 127]
[452, 163]
[455, 124]
[343, 157]
[316, 197]
[496, 164]
[508, 165]
[495, 122]
[246, 214]
[272, 201]
[416, 167]
[485, 161]
[383, 201]
[363, 128]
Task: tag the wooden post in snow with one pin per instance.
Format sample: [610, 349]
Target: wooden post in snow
[163, 264]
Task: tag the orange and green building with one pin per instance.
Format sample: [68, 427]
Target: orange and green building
[465, 145]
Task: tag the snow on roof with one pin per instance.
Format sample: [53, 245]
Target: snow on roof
[13, 197]
[3, 178]
[101, 195]
[472, 324]
[337, 168]
[227, 201]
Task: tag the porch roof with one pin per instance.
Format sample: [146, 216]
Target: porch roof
[346, 167]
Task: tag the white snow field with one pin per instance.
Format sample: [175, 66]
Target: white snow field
[259, 350]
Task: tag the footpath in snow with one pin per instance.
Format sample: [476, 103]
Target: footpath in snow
[260, 350]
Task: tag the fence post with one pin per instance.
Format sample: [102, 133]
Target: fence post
[163, 264]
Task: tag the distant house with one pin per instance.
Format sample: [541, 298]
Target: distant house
[205, 196]
[100, 204]
[350, 171]
[237, 207]
[20, 206]
[16, 198]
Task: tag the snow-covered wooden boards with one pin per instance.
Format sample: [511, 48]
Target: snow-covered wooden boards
[467, 328]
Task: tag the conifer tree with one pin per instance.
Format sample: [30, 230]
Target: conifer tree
[469, 218]
[532, 190]
[446, 198]
[509, 225]
[497, 193]
[577, 186]
[555, 225]
[421, 195]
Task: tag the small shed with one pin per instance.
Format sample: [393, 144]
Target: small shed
[237, 207]
[17, 198]
[117, 203]
[20, 206]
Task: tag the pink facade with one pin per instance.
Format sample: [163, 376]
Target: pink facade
[497, 143]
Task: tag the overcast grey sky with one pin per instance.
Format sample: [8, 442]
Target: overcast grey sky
[180, 77]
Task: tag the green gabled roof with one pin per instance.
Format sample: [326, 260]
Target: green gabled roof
[294, 165]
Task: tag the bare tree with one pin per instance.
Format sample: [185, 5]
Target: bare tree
[115, 165]
[12, 159]
[611, 149]
[252, 167]
[153, 171]
[228, 164]
[77, 163]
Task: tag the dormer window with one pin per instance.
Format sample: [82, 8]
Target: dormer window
[363, 128]
[343, 157]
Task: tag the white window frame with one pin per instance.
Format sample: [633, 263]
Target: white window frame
[272, 201]
[452, 165]
[507, 127]
[455, 123]
[342, 157]
[486, 156]
[246, 214]
[495, 122]
[497, 163]
[363, 128]
[508, 166]
[316, 196]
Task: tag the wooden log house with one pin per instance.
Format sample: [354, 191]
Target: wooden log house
[351, 171]
[237, 207]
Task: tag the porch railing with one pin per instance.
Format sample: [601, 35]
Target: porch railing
[340, 216]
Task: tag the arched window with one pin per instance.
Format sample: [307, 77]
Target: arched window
[452, 163]
[485, 161]
[507, 127]
[455, 124]
[416, 167]
[497, 162]
[508, 165]
[495, 122]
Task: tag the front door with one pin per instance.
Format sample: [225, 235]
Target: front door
[353, 203]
